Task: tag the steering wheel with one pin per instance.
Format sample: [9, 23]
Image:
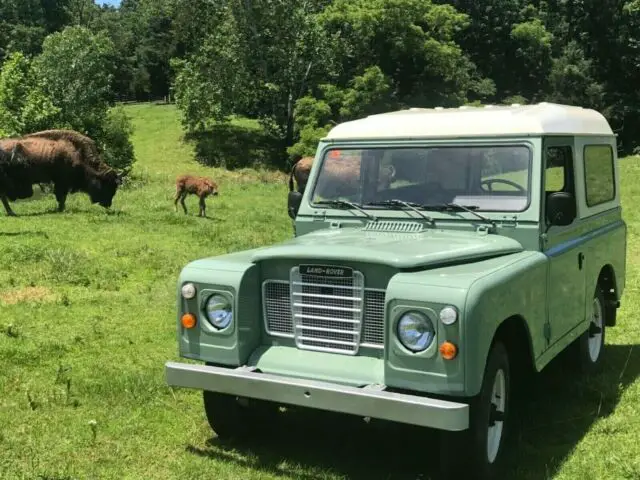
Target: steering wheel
[490, 181]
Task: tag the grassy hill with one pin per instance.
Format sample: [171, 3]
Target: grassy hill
[88, 310]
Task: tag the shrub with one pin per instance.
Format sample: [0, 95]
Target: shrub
[115, 142]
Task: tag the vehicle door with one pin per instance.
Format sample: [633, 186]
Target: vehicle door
[562, 245]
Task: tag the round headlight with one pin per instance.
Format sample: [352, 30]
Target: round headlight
[219, 311]
[188, 290]
[448, 315]
[415, 331]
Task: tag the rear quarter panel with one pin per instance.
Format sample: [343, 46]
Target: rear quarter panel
[605, 244]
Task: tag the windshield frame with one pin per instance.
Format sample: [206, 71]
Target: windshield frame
[527, 143]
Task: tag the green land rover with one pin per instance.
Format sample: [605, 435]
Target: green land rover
[438, 255]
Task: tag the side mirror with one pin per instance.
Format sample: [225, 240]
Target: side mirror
[561, 209]
[294, 201]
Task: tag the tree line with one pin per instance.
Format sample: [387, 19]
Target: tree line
[301, 66]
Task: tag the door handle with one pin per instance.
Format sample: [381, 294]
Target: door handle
[580, 260]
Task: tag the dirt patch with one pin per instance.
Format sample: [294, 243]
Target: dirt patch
[26, 294]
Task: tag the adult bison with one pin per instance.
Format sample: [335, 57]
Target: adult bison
[339, 177]
[12, 177]
[85, 146]
[61, 163]
[300, 172]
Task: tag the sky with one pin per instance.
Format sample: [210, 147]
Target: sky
[109, 2]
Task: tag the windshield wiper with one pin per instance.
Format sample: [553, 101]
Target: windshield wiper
[397, 203]
[345, 204]
[456, 206]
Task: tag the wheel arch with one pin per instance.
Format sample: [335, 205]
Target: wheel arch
[514, 334]
[608, 282]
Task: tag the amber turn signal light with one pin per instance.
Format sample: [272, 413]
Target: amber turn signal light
[448, 351]
[188, 320]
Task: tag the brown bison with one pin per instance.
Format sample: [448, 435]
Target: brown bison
[338, 178]
[202, 187]
[300, 171]
[86, 147]
[59, 162]
[12, 169]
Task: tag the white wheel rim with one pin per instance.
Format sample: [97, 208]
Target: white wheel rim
[498, 401]
[595, 339]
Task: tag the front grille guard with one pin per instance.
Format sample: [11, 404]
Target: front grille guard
[324, 313]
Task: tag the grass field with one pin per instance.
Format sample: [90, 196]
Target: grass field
[88, 310]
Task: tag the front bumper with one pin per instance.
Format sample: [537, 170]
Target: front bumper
[370, 401]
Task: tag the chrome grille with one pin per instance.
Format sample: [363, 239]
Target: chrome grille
[327, 311]
[323, 313]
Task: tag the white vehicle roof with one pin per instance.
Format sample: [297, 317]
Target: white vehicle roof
[490, 120]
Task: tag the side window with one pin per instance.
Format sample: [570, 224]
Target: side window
[599, 179]
[558, 175]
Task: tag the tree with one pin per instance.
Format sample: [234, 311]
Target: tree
[488, 40]
[24, 107]
[81, 12]
[390, 54]
[572, 80]
[263, 55]
[366, 94]
[533, 59]
[76, 68]
[258, 60]
[25, 23]
[414, 44]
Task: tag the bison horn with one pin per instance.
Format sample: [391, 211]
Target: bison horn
[14, 152]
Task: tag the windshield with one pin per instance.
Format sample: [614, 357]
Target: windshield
[489, 178]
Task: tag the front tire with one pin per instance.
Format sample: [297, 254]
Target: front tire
[231, 417]
[484, 441]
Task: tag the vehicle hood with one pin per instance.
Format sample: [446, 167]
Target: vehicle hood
[398, 250]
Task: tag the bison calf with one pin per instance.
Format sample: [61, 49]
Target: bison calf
[200, 186]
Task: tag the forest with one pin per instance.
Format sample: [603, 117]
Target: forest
[300, 66]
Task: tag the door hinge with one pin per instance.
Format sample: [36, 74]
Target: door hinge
[544, 239]
[319, 216]
[511, 222]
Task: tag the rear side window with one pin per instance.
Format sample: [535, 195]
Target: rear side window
[599, 176]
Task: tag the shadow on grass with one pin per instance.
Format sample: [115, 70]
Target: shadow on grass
[21, 234]
[74, 211]
[559, 411]
[211, 217]
[564, 405]
[234, 147]
[41, 213]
